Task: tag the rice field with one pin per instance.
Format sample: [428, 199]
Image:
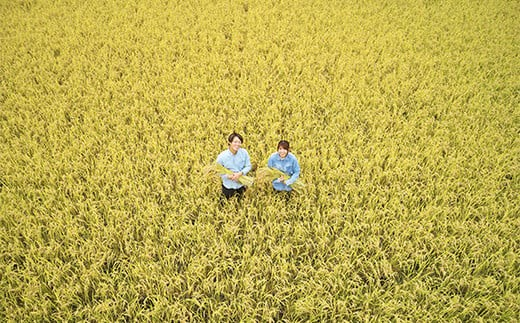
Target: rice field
[404, 116]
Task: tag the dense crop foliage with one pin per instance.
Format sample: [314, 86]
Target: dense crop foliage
[403, 114]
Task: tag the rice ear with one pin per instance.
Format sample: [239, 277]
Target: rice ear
[217, 169]
[268, 174]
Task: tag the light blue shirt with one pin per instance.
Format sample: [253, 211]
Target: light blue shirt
[239, 162]
[289, 165]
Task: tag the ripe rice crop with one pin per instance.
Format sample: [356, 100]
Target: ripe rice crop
[270, 174]
[217, 169]
[403, 115]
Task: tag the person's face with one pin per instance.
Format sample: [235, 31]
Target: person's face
[282, 152]
[235, 144]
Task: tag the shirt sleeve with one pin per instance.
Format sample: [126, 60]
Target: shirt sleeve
[270, 162]
[248, 165]
[296, 173]
[220, 160]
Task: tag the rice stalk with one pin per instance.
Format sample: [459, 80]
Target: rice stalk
[217, 169]
[265, 174]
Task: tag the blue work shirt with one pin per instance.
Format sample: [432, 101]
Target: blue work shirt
[289, 165]
[239, 162]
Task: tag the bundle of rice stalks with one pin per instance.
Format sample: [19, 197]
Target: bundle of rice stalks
[217, 169]
[265, 174]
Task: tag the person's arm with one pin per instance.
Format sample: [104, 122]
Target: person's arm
[247, 166]
[296, 173]
[270, 162]
[220, 160]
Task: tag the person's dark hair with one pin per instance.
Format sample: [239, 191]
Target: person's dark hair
[233, 135]
[284, 144]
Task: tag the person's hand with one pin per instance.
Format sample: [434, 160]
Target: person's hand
[235, 176]
[282, 180]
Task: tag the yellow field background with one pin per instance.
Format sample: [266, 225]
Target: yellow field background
[404, 116]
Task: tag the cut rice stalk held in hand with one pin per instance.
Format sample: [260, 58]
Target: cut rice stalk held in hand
[217, 169]
[269, 174]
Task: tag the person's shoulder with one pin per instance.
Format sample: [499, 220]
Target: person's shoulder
[292, 156]
[243, 151]
[223, 153]
[273, 155]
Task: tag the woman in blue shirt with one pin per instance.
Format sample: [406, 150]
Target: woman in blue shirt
[285, 161]
[237, 160]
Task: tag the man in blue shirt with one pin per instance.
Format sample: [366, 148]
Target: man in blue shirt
[237, 160]
[286, 162]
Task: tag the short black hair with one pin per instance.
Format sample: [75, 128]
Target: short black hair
[233, 135]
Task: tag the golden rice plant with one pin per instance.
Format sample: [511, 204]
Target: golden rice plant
[265, 174]
[410, 139]
[217, 169]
